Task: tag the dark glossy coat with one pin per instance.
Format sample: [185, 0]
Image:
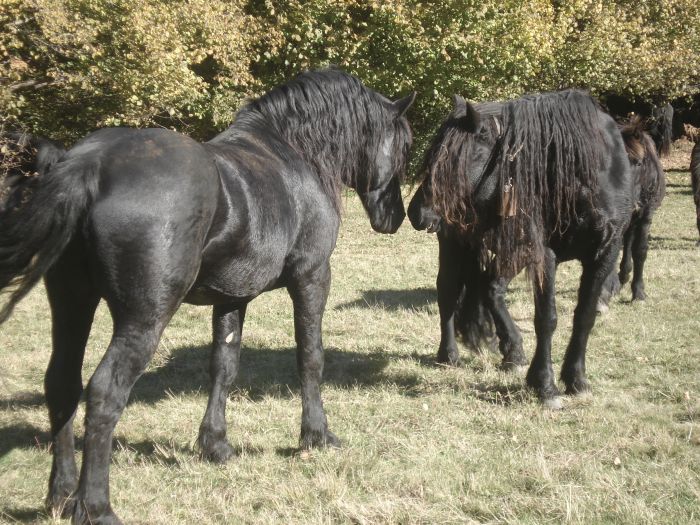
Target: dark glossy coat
[565, 161]
[148, 219]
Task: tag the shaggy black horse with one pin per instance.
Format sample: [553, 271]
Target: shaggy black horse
[528, 182]
[695, 181]
[148, 219]
[648, 191]
[24, 160]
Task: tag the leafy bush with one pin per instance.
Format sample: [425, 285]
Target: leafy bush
[74, 65]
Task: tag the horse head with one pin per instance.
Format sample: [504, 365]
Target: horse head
[458, 170]
[379, 187]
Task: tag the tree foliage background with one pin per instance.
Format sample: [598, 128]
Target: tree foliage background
[70, 66]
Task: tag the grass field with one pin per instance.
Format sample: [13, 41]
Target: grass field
[421, 443]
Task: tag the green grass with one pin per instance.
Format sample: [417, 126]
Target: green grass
[422, 443]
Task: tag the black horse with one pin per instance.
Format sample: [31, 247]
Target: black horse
[649, 190]
[695, 181]
[528, 182]
[24, 157]
[148, 219]
[658, 118]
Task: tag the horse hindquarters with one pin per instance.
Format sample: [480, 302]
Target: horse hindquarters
[145, 234]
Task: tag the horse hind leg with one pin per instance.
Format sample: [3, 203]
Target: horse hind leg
[227, 325]
[626, 261]
[640, 247]
[141, 305]
[73, 303]
[510, 340]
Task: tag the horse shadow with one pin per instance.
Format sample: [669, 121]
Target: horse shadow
[265, 373]
[393, 300]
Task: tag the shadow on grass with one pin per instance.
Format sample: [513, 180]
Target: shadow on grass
[25, 515]
[672, 243]
[22, 435]
[502, 395]
[266, 373]
[393, 299]
[26, 399]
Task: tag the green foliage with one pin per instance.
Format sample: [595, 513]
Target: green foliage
[69, 66]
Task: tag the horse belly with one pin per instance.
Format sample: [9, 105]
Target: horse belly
[237, 279]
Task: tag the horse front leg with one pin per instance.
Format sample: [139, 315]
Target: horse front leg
[540, 375]
[309, 295]
[573, 371]
[449, 288]
[227, 328]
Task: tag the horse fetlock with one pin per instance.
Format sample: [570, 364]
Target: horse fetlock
[638, 293]
[542, 383]
[513, 357]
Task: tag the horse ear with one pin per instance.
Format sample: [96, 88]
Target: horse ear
[401, 105]
[471, 119]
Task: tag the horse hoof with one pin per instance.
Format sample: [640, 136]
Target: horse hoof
[577, 387]
[553, 403]
[602, 308]
[451, 359]
[639, 296]
[514, 361]
[313, 439]
[60, 506]
[218, 452]
[82, 516]
[513, 367]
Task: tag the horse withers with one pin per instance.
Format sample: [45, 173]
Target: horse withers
[148, 219]
[528, 182]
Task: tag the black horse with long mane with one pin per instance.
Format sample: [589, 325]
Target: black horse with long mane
[482, 318]
[148, 219]
[528, 182]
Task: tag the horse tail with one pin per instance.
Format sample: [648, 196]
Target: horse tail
[473, 320]
[35, 230]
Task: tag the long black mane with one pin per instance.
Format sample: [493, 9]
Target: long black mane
[547, 147]
[334, 122]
